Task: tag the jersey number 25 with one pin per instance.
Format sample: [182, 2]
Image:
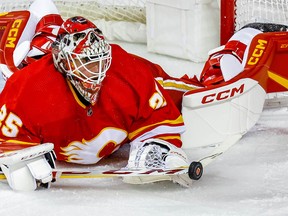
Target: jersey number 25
[9, 123]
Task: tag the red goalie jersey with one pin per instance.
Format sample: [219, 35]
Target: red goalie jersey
[38, 105]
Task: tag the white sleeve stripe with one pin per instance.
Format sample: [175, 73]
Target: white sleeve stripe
[163, 129]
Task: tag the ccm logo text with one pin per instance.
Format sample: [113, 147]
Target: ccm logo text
[12, 34]
[257, 52]
[222, 95]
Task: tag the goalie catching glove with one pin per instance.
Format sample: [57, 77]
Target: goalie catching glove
[29, 168]
[156, 154]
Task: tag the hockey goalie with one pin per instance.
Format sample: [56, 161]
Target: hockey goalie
[74, 93]
[83, 98]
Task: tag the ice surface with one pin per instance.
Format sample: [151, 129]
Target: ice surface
[249, 179]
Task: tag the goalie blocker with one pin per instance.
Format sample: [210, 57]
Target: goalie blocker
[29, 168]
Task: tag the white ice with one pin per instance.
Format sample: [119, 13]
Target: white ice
[248, 180]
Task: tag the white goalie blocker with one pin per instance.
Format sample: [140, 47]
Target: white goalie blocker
[215, 114]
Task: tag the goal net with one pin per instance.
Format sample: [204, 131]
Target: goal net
[118, 10]
[237, 13]
[119, 19]
[234, 13]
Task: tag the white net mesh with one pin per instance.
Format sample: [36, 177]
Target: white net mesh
[128, 10]
[272, 11]
[247, 11]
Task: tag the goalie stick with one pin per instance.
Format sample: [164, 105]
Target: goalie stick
[194, 170]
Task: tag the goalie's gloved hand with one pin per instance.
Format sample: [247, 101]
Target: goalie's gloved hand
[29, 168]
[156, 153]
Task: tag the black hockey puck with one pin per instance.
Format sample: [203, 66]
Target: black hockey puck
[195, 170]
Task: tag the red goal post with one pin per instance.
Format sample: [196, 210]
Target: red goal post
[227, 20]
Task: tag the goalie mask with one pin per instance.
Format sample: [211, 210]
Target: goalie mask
[82, 54]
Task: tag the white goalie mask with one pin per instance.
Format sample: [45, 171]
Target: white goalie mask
[83, 55]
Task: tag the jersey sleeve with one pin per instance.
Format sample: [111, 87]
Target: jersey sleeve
[175, 87]
[139, 102]
[158, 117]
